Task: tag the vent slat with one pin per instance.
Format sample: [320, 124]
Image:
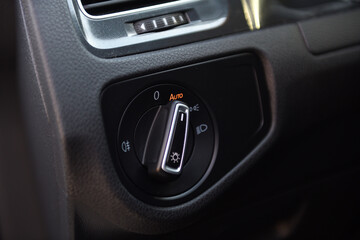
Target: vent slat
[101, 7]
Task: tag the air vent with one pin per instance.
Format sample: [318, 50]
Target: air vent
[102, 7]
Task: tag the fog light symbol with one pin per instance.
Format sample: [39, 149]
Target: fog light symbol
[125, 146]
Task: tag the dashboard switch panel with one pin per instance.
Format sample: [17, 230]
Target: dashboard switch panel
[185, 128]
[156, 126]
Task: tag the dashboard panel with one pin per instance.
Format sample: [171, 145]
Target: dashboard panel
[180, 119]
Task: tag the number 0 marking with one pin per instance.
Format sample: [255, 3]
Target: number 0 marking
[156, 95]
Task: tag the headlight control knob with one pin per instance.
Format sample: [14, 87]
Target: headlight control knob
[166, 140]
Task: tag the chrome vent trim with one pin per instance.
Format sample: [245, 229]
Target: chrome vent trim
[134, 11]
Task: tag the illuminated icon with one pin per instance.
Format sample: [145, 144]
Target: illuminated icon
[175, 157]
[125, 146]
[195, 108]
[202, 128]
[176, 96]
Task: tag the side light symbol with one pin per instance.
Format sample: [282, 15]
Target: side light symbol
[195, 108]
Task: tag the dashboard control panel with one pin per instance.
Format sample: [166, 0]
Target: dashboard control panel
[178, 135]
[165, 140]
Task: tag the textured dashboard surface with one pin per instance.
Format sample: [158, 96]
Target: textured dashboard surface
[331, 33]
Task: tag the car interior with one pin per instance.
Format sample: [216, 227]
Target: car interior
[180, 119]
